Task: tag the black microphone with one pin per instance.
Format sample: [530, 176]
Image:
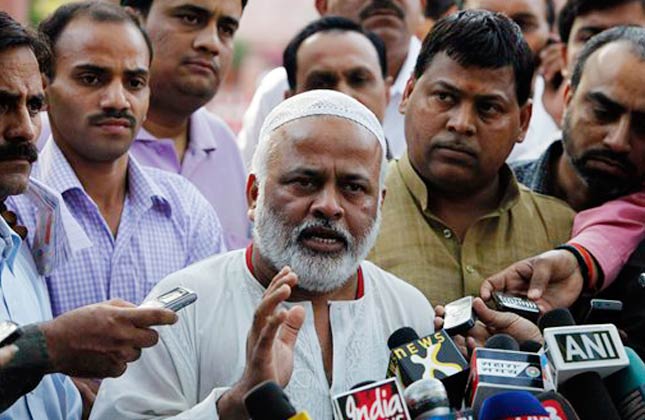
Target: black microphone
[502, 342]
[587, 394]
[580, 355]
[557, 406]
[268, 401]
[530, 346]
[403, 335]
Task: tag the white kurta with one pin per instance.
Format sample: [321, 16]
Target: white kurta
[204, 353]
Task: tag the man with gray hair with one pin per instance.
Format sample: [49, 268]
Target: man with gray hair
[314, 194]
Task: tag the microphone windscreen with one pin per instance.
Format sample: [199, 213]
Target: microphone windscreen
[587, 394]
[557, 406]
[502, 342]
[627, 388]
[560, 317]
[362, 384]
[268, 401]
[403, 335]
[511, 404]
[530, 346]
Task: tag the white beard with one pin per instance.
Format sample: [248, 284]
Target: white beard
[317, 273]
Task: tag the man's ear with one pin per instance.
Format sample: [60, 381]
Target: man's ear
[321, 6]
[568, 97]
[252, 195]
[409, 87]
[136, 13]
[563, 53]
[525, 118]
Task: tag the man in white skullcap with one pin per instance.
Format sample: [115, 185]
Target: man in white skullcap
[317, 315]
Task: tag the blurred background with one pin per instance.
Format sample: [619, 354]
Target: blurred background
[265, 29]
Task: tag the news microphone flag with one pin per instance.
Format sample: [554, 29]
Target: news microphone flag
[381, 400]
[494, 371]
[433, 357]
[581, 348]
[627, 388]
[513, 405]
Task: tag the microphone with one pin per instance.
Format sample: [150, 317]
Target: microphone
[435, 356]
[403, 335]
[502, 369]
[427, 398]
[515, 405]
[573, 349]
[627, 388]
[580, 355]
[378, 400]
[502, 342]
[588, 396]
[557, 406]
[530, 346]
[268, 401]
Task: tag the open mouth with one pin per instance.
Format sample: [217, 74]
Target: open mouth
[323, 239]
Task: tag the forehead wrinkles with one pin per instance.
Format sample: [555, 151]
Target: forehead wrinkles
[20, 71]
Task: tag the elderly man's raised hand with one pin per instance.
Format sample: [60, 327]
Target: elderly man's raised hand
[552, 279]
[270, 344]
[99, 340]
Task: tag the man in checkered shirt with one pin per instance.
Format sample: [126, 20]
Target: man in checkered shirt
[144, 223]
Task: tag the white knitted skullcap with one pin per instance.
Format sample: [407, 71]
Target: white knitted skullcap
[322, 102]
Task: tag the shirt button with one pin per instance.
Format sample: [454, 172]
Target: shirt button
[470, 269]
[447, 233]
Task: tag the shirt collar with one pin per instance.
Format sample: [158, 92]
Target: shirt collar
[54, 170]
[407, 68]
[198, 126]
[419, 191]
[143, 191]
[9, 244]
[544, 178]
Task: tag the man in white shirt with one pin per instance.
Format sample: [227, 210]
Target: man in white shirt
[323, 315]
[395, 23]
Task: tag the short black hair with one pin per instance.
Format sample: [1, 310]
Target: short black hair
[53, 26]
[574, 8]
[435, 9]
[328, 24]
[483, 39]
[13, 34]
[634, 35]
[548, 4]
[143, 6]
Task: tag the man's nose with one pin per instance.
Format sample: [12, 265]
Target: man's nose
[327, 204]
[20, 126]
[115, 96]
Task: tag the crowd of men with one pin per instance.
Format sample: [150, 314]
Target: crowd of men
[406, 154]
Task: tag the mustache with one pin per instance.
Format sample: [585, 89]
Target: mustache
[109, 114]
[376, 5]
[23, 150]
[455, 144]
[311, 226]
[608, 155]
